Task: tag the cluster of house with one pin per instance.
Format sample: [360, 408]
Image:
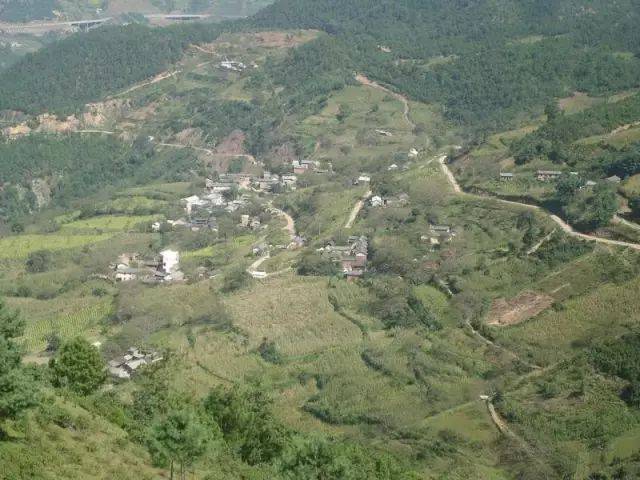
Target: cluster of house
[351, 257]
[132, 361]
[548, 175]
[304, 166]
[411, 155]
[165, 267]
[362, 179]
[400, 200]
[232, 65]
[246, 181]
[438, 234]
[199, 220]
[247, 221]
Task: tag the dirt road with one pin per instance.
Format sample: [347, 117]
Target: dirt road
[537, 246]
[405, 101]
[253, 268]
[568, 229]
[356, 209]
[290, 227]
[442, 160]
[156, 79]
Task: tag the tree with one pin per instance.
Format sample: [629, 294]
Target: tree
[269, 352]
[53, 342]
[397, 306]
[311, 263]
[78, 367]
[235, 279]
[344, 111]
[319, 459]
[634, 205]
[591, 209]
[17, 390]
[552, 111]
[567, 186]
[245, 419]
[179, 438]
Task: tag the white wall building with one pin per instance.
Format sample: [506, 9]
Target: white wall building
[170, 260]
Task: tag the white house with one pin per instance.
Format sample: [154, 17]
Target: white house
[126, 274]
[193, 201]
[170, 260]
[216, 199]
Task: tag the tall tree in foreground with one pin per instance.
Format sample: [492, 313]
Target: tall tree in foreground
[180, 438]
[78, 367]
[17, 390]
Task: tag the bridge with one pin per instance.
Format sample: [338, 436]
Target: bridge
[88, 24]
[185, 16]
[42, 27]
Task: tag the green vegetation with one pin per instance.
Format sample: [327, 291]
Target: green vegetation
[16, 384]
[135, 52]
[501, 78]
[25, 10]
[78, 366]
[586, 208]
[621, 359]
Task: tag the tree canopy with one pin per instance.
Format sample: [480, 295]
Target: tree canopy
[78, 366]
[17, 389]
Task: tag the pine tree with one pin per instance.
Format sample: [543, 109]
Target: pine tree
[17, 390]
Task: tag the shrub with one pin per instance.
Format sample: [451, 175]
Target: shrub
[311, 263]
[235, 279]
[269, 352]
[38, 261]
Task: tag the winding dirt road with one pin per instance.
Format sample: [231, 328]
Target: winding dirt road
[405, 101]
[356, 209]
[290, 227]
[156, 79]
[568, 229]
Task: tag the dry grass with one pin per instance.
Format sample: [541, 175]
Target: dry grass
[294, 312]
[518, 309]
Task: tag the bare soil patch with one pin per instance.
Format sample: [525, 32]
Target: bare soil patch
[526, 305]
[284, 39]
[232, 144]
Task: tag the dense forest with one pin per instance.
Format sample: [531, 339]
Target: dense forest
[25, 10]
[74, 166]
[62, 77]
[507, 58]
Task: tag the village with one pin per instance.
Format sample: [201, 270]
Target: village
[235, 195]
[550, 175]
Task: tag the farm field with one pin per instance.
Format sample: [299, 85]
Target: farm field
[19, 247]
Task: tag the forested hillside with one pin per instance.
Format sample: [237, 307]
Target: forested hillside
[506, 57]
[65, 75]
[25, 10]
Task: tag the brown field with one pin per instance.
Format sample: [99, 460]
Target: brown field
[519, 309]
